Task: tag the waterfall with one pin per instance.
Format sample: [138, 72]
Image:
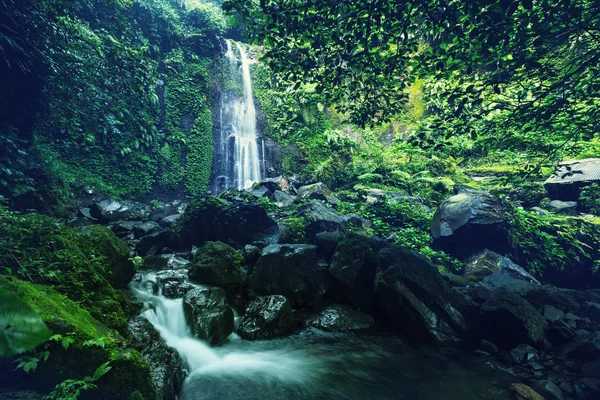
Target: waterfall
[237, 160]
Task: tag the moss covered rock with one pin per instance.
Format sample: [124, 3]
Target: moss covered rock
[217, 264]
[208, 315]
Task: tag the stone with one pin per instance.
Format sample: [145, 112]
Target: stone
[353, 269]
[251, 254]
[283, 200]
[169, 220]
[259, 192]
[327, 243]
[560, 333]
[496, 272]
[523, 353]
[292, 270]
[548, 389]
[320, 218]
[266, 317]
[316, 191]
[488, 347]
[584, 348]
[165, 365]
[469, 222]
[146, 228]
[340, 318]
[176, 290]
[165, 261]
[85, 213]
[208, 315]
[570, 176]
[110, 210]
[524, 392]
[563, 207]
[552, 313]
[509, 320]
[412, 295]
[153, 244]
[217, 264]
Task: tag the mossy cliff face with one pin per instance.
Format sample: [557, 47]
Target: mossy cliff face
[70, 278]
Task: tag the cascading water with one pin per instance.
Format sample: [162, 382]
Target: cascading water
[237, 158]
[311, 365]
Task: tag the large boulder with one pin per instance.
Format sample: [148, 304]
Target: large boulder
[292, 270]
[570, 176]
[208, 315]
[217, 264]
[470, 221]
[165, 364]
[509, 320]
[110, 210]
[267, 317]
[316, 191]
[340, 318]
[320, 218]
[496, 272]
[417, 301]
[353, 269]
[212, 219]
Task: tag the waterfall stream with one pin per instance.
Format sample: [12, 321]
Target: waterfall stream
[237, 157]
[312, 364]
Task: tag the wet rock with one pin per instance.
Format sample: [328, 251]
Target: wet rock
[591, 310]
[171, 275]
[169, 220]
[217, 264]
[292, 270]
[152, 244]
[274, 184]
[548, 389]
[488, 263]
[470, 221]
[564, 300]
[165, 261]
[246, 223]
[208, 315]
[259, 192]
[110, 210]
[560, 333]
[85, 213]
[327, 243]
[316, 191]
[176, 290]
[509, 320]
[165, 364]
[340, 318]
[353, 269]
[488, 347]
[413, 296]
[521, 391]
[199, 223]
[376, 195]
[267, 317]
[563, 207]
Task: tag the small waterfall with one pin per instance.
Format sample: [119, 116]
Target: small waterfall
[237, 160]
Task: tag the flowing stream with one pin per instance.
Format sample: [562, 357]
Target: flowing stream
[314, 364]
[237, 158]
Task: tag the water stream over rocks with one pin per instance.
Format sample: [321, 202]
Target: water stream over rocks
[314, 364]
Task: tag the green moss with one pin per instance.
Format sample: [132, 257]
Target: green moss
[352, 253]
[294, 229]
[216, 263]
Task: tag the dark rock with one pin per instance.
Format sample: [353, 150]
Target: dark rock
[591, 310]
[165, 364]
[259, 192]
[110, 210]
[85, 213]
[165, 261]
[413, 296]
[548, 389]
[292, 270]
[564, 300]
[320, 218]
[267, 317]
[584, 348]
[592, 369]
[146, 228]
[217, 264]
[570, 177]
[488, 263]
[251, 255]
[153, 244]
[488, 347]
[246, 223]
[200, 222]
[353, 269]
[376, 195]
[208, 315]
[171, 275]
[523, 353]
[316, 191]
[563, 207]
[552, 313]
[327, 243]
[560, 333]
[176, 290]
[340, 318]
[470, 221]
[509, 320]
